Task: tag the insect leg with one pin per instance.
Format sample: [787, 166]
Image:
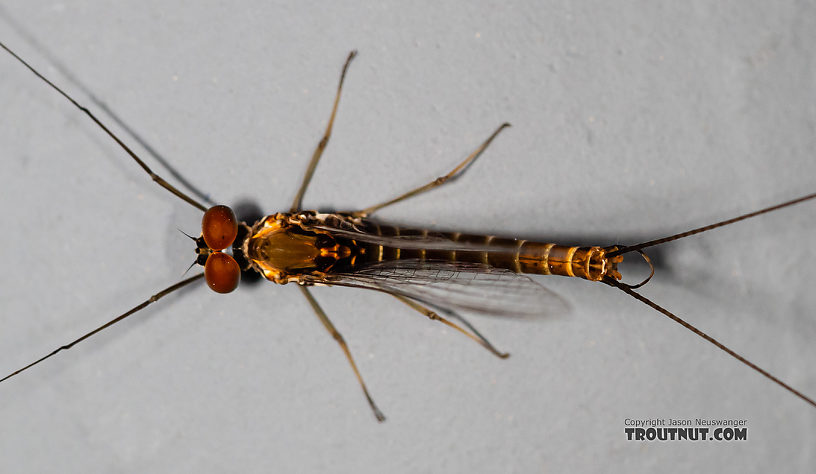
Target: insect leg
[158, 179]
[339, 338]
[110, 323]
[433, 316]
[453, 174]
[296, 203]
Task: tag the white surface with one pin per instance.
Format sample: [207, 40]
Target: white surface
[630, 122]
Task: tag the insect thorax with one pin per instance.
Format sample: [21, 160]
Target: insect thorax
[284, 247]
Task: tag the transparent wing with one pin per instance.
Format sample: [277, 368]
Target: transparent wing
[428, 240]
[456, 286]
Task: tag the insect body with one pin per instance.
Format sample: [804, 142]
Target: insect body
[432, 272]
[307, 246]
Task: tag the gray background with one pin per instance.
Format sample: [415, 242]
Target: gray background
[631, 121]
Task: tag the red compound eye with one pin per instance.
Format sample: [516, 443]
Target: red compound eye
[222, 272]
[219, 227]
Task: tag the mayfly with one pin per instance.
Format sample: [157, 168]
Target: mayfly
[432, 272]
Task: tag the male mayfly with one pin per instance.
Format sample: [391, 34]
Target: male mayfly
[450, 272]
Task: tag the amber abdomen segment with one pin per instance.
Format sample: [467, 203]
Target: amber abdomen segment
[589, 263]
[519, 256]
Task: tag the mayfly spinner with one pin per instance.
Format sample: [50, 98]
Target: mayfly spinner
[448, 271]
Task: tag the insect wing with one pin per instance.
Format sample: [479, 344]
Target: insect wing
[457, 286]
[366, 233]
[428, 240]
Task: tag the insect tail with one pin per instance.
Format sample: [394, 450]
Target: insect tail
[629, 291]
[651, 243]
[615, 252]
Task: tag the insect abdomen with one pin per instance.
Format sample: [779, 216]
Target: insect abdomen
[519, 256]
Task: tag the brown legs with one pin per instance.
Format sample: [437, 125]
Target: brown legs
[339, 338]
[433, 316]
[453, 174]
[323, 141]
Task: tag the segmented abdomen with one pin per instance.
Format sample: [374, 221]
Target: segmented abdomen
[520, 256]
